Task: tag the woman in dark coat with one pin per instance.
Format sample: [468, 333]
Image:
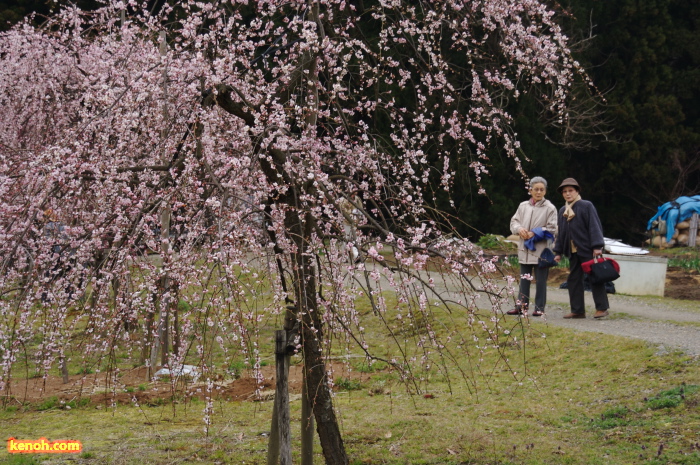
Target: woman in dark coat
[580, 238]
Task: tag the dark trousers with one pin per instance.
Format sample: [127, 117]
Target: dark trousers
[576, 290]
[541, 275]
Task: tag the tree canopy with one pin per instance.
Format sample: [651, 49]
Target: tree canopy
[174, 178]
[643, 57]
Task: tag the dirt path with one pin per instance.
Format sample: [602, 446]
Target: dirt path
[669, 323]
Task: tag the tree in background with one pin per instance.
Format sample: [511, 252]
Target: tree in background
[204, 162]
[641, 147]
[644, 57]
[12, 12]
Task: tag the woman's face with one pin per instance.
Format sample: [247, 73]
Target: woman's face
[537, 191]
[569, 193]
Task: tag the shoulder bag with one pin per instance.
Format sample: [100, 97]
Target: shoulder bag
[601, 270]
[546, 259]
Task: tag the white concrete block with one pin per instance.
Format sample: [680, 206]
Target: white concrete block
[640, 274]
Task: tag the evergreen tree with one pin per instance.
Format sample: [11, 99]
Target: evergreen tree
[644, 56]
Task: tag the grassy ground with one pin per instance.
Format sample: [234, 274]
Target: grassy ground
[569, 398]
[576, 398]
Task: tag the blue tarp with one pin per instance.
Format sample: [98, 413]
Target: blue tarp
[676, 211]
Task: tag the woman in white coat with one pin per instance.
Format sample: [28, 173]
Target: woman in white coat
[534, 217]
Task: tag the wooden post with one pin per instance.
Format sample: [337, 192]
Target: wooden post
[273, 445]
[64, 369]
[282, 400]
[307, 426]
[693, 231]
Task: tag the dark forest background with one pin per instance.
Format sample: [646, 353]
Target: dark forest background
[633, 148]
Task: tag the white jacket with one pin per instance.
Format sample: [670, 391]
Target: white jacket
[543, 215]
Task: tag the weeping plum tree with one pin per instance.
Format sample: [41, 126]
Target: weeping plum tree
[202, 172]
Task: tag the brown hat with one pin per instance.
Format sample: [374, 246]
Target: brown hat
[568, 182]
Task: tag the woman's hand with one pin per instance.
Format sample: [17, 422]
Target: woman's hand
[557, 258]
[525, 234]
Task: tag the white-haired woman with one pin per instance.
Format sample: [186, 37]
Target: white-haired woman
[534, 222]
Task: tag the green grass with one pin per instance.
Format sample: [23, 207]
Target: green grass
[687, 263]
[22, 459]
[684, 257]
[672, 397]
[348, 384]
[576, 398]
[569, 398]
[365, 366]
[48, 403]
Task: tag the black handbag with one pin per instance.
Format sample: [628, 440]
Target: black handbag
[603, 270]
[546, 259]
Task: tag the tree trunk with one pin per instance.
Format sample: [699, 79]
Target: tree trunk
[318, 390]
[321, 401]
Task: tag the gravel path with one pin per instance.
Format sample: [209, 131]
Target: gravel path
[672, 324]
[669, 323]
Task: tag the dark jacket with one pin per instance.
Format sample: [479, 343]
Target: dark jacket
[584, 229]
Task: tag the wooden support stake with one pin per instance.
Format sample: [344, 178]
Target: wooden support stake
[693, 232]
[273, 445]
[282, 398]
[307, 426]
[64, 370]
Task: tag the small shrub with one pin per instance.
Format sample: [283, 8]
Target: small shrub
[671, 398]
[157, 402]
[615, 412]
[236, 369]
[611, 418]
[48, 403]
[78, 403]
[512, 260]
[378, 386]
[365, 367]
[663, 402]
[184, 306]
[347, 384]
[685, 263]
[493, 242]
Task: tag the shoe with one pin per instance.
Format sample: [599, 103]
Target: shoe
[575, 315]
[537, 313]
[515, 311]
[601, 314]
